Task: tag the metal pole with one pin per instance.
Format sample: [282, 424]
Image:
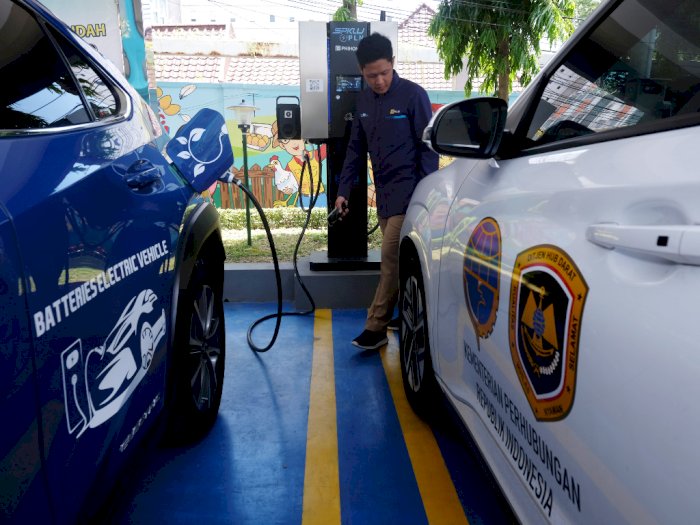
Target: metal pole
[244, 134]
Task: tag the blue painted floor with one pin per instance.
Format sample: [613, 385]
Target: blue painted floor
[251, 468]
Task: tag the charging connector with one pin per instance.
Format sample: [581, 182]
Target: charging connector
[336, 215]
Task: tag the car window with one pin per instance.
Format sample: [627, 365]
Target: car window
[38, 90]
[99, 95]
[640, 65]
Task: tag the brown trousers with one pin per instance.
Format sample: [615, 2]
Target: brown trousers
[385, 297]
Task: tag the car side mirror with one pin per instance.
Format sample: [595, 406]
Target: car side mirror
[200, 150]
[468, 128]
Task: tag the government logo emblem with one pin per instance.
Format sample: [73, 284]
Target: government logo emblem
[547, 297]
[481, 275]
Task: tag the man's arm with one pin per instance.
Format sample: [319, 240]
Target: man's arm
[355, 154]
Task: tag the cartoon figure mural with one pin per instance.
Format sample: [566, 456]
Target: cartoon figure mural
[274, 164]
[371, 190]
[297, 148]
[166, 106]
[284, 181]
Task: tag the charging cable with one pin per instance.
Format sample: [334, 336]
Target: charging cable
[313, 197]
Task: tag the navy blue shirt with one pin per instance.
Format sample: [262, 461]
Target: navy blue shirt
[390, 127]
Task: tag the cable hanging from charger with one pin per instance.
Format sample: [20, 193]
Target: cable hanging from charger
[313, 197]
[275, 262]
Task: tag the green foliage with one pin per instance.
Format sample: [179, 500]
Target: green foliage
[281, 218]
[343, 15]
[238, 251]
[315, 238]
[584, 8]
[347, 12]
[276, 217]
[498, 39]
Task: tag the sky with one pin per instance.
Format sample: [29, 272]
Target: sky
[400, 10]
[397, 10]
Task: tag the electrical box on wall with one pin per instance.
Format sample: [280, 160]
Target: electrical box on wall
[288, 118]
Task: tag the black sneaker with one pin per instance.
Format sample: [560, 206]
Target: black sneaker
[369, 340]
[394, 324]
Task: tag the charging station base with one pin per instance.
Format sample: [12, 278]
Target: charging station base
[319, 262]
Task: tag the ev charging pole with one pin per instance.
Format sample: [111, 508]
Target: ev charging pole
[330, 83]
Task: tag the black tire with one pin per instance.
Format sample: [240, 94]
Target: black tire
[199, 355]
[416, 363]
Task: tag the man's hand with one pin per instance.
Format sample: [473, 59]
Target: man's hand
[341, 203]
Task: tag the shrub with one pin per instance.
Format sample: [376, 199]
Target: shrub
[237, 250]
[282, 218]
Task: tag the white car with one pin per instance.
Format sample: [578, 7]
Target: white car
[549, 275]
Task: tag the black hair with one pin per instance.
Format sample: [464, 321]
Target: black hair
[372, 48]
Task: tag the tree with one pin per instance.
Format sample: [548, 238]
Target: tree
[584, 8]
[347, 12]
[500, 39]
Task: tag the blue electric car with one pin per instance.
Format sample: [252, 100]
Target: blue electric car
[111, 272]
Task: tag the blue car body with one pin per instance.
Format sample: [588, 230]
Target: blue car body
[99, 234]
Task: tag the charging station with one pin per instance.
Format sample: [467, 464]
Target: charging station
[331, 80]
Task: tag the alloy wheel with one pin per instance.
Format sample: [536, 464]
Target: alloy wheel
[205, 349]
[413, 333]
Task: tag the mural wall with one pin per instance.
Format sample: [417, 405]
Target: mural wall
[118, 30]
[274, 165]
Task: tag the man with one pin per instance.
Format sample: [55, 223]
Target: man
[389, 121]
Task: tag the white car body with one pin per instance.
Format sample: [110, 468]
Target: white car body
[605, 229]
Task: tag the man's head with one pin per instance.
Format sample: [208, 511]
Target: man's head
[376, 58]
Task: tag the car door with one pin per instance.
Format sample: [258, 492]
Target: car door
[568, 283]
[96, 212]
[19, 440]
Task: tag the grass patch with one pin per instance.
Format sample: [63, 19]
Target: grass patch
[286, 225]
[277, 218]
[238, 251]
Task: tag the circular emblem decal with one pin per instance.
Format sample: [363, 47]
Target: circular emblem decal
[481, 275]
[547, 295]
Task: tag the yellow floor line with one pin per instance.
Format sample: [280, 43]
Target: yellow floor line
[439, 496]
[321, 482]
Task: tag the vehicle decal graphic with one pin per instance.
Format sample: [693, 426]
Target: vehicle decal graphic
[547, 296]
[481, 275]
[96, 386]
[56, 312]
[531, 453]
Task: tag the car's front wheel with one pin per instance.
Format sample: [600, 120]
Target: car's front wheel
[198, 356]
[416, 363]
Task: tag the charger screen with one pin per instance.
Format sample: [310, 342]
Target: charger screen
[348, 83]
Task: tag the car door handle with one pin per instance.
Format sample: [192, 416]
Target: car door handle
[142, 173]
[677, 243]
